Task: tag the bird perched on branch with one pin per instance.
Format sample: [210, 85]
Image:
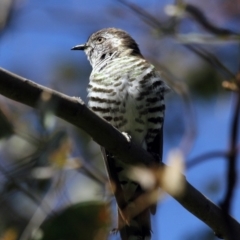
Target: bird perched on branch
[128, 92]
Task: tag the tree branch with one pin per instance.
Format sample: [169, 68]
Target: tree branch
[232, 159]
[75, 112]
[201, 19]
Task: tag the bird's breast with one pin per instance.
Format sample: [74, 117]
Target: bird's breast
[120, 94]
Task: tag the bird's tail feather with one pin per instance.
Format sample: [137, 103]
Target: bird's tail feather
[138, 228]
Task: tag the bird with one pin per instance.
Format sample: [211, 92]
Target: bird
[128, 92]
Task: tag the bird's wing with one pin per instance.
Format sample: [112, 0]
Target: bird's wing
[156, 147]
[154, 136]
[112, 172]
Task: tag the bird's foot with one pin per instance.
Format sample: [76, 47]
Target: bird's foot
[79, 100]
[127, 136]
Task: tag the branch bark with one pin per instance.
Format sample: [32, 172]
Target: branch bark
[75, 112]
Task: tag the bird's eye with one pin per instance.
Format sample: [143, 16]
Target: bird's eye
[100, 40]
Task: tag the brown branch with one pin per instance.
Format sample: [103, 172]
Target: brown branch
[76, 113]
[72, 110]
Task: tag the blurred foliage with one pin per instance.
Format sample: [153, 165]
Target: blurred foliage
[204, 82]
[84, 221]
[10, 234]
[33, 174]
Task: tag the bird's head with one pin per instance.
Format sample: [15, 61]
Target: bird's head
[108, 43]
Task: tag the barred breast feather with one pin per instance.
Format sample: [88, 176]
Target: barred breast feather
[128, 93]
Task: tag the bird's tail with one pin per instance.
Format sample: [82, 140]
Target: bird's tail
[126, 192]
[139, 227]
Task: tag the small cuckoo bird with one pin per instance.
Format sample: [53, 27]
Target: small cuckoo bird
[128, 92]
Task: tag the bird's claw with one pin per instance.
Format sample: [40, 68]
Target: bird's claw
[127, 136]
[79, 100]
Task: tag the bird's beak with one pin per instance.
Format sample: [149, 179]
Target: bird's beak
[79, 47]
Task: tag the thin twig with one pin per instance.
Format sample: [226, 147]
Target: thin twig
[209, 155]
[93, 173]
[39, 215]
[181, 89]
[144, 15]
[205, 157]
[150, 20]
[232, 158]
[33, 197]
[210, 58]
[199, 16]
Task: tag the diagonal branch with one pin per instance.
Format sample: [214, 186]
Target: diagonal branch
[76, 113]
